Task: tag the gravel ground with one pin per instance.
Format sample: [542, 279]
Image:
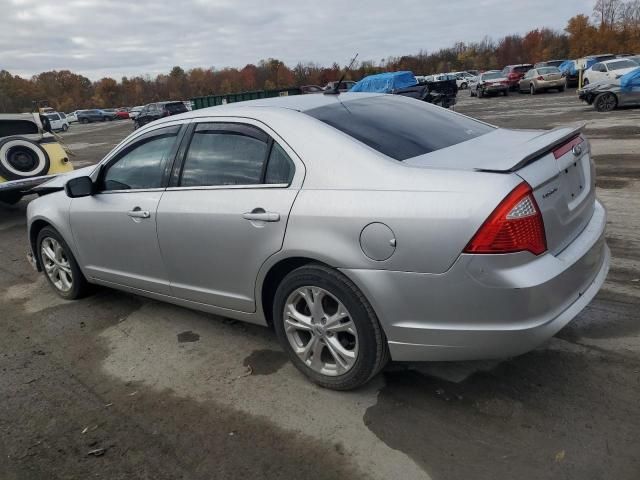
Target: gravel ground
[160, 392]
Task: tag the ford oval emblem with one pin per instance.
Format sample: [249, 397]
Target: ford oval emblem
[577, 150]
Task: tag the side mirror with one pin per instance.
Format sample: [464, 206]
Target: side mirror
[79, 187]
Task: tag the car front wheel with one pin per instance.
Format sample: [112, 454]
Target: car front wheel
[328, 328]
[60, 266]
[605, 102]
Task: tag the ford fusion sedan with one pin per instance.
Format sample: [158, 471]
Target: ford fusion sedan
[360, 227]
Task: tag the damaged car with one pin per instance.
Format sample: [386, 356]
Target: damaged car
[608, 95]
[29, 154]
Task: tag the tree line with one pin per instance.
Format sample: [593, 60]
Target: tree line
[614, 27]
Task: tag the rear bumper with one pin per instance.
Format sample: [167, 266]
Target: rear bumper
[487, 306]
[541, 84]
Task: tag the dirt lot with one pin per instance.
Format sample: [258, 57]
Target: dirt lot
[170, 393]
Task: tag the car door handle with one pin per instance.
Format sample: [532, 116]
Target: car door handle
[261, 215]
[137, 213]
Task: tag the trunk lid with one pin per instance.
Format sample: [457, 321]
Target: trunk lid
[564, 187]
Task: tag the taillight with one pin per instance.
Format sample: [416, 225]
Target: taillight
[514, 226]
[540, 78]
[566, 147]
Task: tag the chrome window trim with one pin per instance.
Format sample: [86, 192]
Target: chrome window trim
[131, 190]
[251, 186]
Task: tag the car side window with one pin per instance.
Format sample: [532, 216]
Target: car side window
[143, 163]
[225, 154]
[280, 168]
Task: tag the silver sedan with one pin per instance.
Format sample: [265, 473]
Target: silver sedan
[360, 227]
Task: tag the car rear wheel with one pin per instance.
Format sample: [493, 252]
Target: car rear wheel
[532, 89]
[463, 86]
[65, 127]
[22, 158]
[328, 328]
[84, 121]
[605, 102]
[60, 266]
[480, 93]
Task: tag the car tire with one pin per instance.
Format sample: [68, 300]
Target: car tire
[561, 89]
[463, 86]
[605, 102]
[532, 89]
[84, 121]
[340, 353]
[506, 92]
[22, 158]
[65, 127]
[480, 93]
[60, 264]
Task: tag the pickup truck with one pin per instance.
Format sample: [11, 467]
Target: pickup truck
[29, 154]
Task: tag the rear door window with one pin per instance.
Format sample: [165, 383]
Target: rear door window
[225, 154]
[175, 108]
[399, 127]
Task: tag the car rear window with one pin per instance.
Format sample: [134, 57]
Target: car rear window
[522, 69]
[491, 76]
[399, 127]
[547, 70]
[176, 107]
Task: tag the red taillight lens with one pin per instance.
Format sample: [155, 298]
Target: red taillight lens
[514, 226]
[540, 78]
[564, 148]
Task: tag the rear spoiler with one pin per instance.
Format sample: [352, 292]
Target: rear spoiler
[547, 142]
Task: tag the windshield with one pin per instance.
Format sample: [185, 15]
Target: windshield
[620, 64]
[491, 75]
[399, 127]
[547, 70]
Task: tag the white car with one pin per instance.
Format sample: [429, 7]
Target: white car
[135, 111]
[463, 79]
[608, 70]
[72, 117]
[58, 121]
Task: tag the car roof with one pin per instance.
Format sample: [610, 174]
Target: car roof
[300, 103]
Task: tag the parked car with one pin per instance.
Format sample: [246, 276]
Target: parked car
[439, 92]
[122, 114]
[462, 79]
[492, 82]
[542, 79]
[88, 116]
[344, 86]
[549, 63]
[460, 243]
[635, 58]
[135, 111]
[607, 95]
[311, 89]
[72, 117]
[154, 111]
[58, 121]
[608, 70]
[109, 113]
[514, 73]
[29, 155]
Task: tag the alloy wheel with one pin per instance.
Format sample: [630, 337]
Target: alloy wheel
[321, 331]
[56, 264]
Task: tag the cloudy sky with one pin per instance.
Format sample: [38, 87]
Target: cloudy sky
[129, 37]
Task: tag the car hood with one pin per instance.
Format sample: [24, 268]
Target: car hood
[501, 150]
